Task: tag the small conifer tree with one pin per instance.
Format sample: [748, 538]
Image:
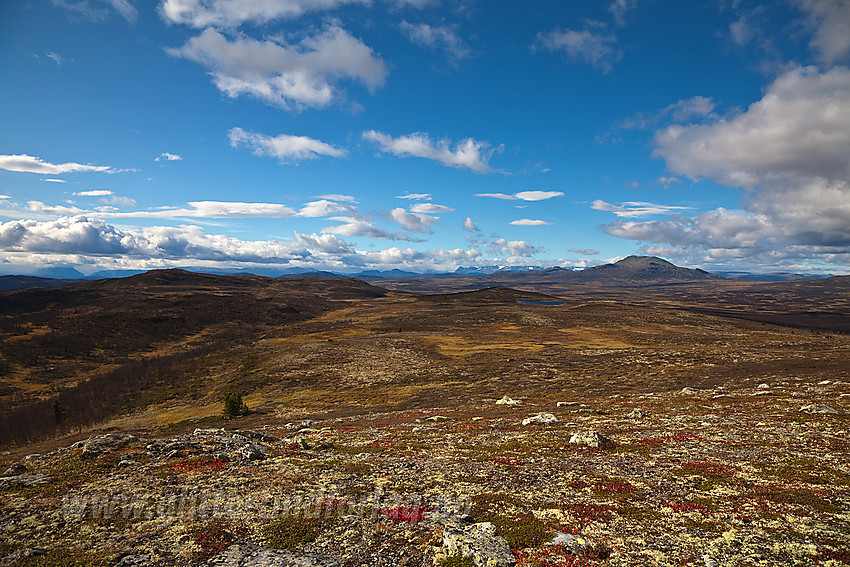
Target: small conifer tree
[58, 411]
[233, 405]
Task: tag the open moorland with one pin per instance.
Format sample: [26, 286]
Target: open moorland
[671, 423]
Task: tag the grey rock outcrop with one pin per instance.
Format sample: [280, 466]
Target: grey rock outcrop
[26, 479]
[481, 543]
[97, 444]
[591, 439]
[572, 542]
[251, 452]
[540, 419]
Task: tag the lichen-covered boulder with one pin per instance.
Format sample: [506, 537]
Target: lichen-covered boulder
[575, 543]
[481, 543]
[591, 439]
[540, 419]
[251, 452]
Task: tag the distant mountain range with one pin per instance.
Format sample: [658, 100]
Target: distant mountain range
[772, 276]
[634, 270]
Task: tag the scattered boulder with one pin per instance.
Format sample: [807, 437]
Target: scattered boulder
[251, 555]
[689, 391]
[818, 408]
[636, 414]
[260, 436]
[209, 432]
[508, 401]
[591, 439]
[567, 404]
[436, 418]
[481, 543]
[540, 419]
[97, 444]
[181, 446]
[251, 452]
[15, 470]
[763, 386]
[298, 426]
[572, 542]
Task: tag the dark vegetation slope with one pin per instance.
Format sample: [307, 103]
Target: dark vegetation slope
[92, 346]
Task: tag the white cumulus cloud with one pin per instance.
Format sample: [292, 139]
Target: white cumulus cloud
[284, 147]
[430, 208]
[325, 244]
[438, 37]
[339, 197]
[513, 248]
[165, 156]
[595, 45]
[284, 75]
[523, 195]
[467, 153]
[414, 222]
[801, 126]
[830, 20]
[358, 227]
[81, 235]
[213, 209]
[323, 208]
[30, 164]
[529, 222]
[636, 208]
[94, 193]
[791, 150]
[415, 196]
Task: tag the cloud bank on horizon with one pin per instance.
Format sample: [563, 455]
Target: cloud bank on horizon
[425, 135]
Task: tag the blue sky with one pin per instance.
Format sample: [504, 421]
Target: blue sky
[424, 134]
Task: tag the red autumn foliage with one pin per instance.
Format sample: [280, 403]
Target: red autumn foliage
[199, 465]
[408, 514]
